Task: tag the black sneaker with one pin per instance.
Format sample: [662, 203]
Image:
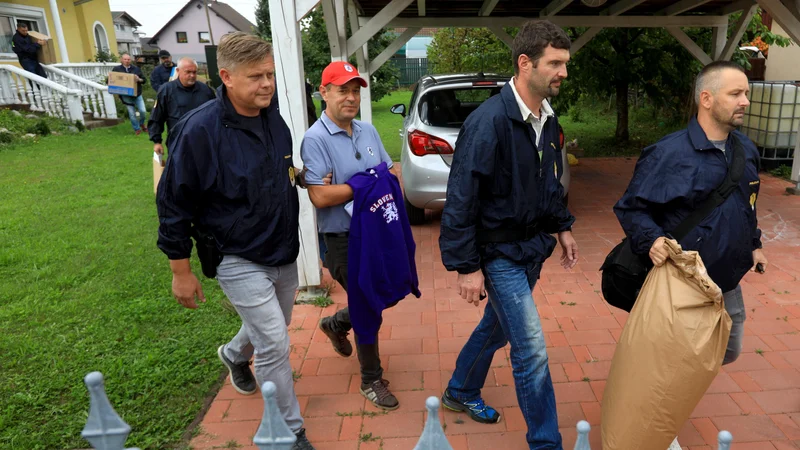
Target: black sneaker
[378, 393]
[476, 409]
[302, 442]
[241, 377]
[340, 343]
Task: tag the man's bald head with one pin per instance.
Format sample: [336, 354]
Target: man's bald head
[186, 62]
[187, 71]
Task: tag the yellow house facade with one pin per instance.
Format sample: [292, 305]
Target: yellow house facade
[78, 28]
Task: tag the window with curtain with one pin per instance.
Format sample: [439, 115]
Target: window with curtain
[7, 31]
[181, 37]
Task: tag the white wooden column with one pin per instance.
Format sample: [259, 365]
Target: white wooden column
[362, 59]
[287, 46]
[334, 25]
[62, 43]
[796, 163]
[719, 38]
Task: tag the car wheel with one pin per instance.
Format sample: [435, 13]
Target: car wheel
[416, 216]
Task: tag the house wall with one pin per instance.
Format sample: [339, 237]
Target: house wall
[782, 62]
[77, 23]
[192, 22]
[91, 13]
[126, 34]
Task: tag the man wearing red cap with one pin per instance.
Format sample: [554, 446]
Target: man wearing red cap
[341, 146]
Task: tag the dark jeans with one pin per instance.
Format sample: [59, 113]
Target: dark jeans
[336, 261]
[33, 67]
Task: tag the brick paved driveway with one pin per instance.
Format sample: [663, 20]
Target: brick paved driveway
[756, 398]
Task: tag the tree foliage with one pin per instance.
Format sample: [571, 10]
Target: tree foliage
[317, 55]
[650, 63]
[456, 50]
[263, 27]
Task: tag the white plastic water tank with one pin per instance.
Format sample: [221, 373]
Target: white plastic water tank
[773, 117]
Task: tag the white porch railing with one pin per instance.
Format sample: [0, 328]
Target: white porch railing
[96, 99]
[20, 87]
[93, 71]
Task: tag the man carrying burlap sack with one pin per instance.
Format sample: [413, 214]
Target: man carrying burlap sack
[675, 176]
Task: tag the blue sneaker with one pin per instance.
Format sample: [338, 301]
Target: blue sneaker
[476, 409]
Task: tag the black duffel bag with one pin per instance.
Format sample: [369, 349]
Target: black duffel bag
[624, 272]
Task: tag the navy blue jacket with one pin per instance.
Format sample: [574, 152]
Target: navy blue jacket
[172, 103]
[222, 177]
[25, 47]
[160, 76]
[380, 253]
[497, 182]
[676, 174]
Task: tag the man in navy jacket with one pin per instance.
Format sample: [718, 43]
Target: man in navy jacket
[26, 49]
[161, 72]
[681, 170]
[504, 200]
[230, 173]
[176, 99]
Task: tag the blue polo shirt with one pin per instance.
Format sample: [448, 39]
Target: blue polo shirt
[326, 148]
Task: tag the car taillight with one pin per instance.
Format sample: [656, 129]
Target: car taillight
[422, 144]
[484, 83]
[560, 137]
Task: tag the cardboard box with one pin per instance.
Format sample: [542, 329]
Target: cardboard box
[120, 83]
[47, 52]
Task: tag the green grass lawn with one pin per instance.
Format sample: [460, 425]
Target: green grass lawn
[84, 288]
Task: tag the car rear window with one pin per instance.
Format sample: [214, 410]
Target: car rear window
[450, 107]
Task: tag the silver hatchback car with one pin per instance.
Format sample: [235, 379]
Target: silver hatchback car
[438, 108]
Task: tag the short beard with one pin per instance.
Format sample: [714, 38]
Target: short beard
[730, 123]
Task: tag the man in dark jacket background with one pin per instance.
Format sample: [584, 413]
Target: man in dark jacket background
[161, 72]
[133, 103]
[230, 173]
[176, 99]
[25, 46]
[504, 200]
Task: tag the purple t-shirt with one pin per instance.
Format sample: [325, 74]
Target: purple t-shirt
[381, 266]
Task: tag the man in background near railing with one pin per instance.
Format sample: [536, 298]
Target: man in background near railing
[133, 103]
[26, 47]
[177, 98]
[161, 73]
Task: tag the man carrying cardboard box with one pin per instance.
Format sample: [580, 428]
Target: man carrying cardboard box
[135, 101]
[26, 49]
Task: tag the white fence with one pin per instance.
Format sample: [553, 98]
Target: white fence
[95, 97]
[20, 87]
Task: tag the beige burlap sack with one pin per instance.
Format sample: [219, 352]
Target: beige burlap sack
[669, 353]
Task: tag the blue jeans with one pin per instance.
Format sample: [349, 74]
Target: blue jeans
[134, 104]
[511, 316]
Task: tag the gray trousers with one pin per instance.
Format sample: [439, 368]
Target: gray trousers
[734, 304]
[263, 296]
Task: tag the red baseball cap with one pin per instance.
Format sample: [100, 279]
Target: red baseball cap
[341, 72]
